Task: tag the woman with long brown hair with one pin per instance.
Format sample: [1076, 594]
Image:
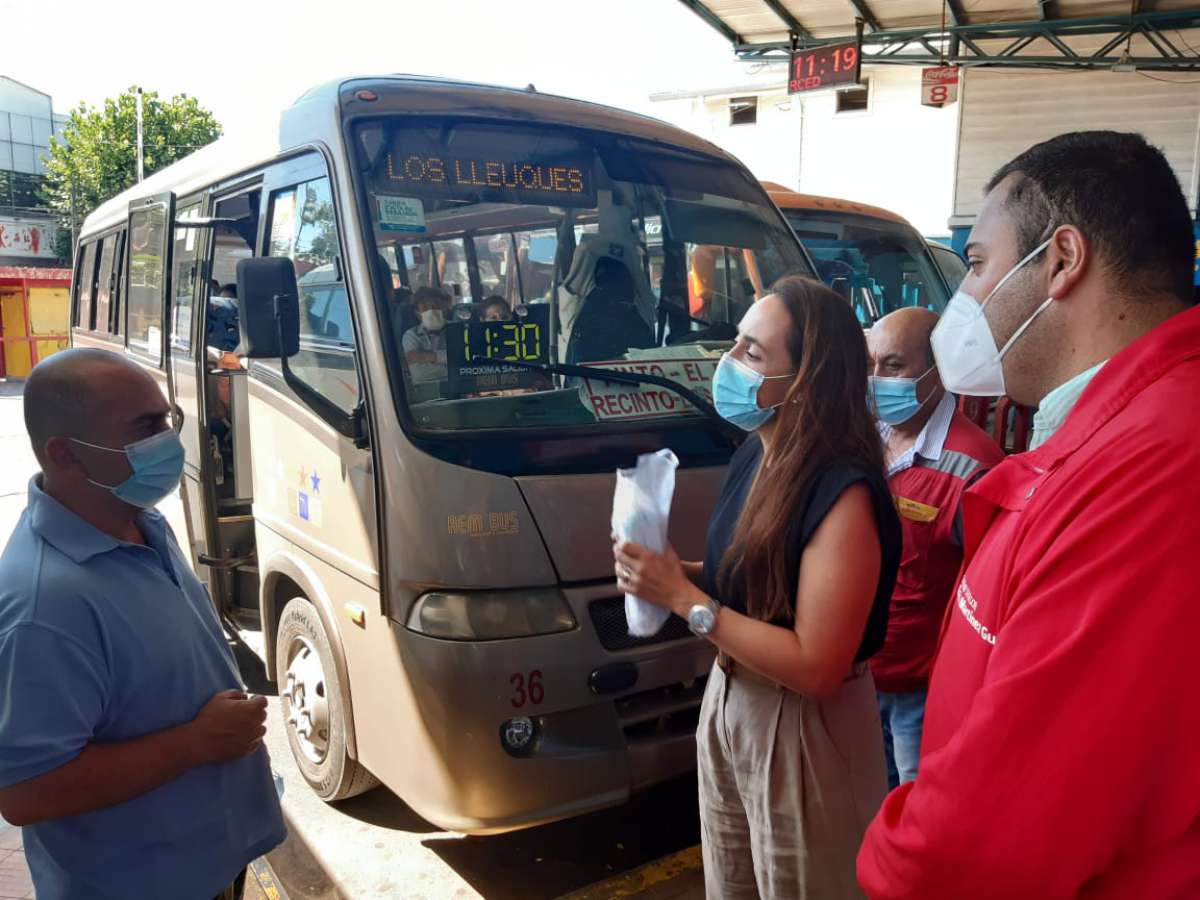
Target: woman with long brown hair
[802, 551]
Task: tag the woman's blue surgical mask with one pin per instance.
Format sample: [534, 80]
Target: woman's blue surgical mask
[157, 463]
[895, 399]
[735, 393]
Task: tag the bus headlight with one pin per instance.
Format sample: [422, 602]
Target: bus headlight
[490, 615]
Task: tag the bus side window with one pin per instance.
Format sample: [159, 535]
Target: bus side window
[117, 320]
[105, 282]
[183, 283]
[85, 287]
[144, 290]
[303, 228]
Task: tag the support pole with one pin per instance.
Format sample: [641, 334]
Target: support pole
[141, 174]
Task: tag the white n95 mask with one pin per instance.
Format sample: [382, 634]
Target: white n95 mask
[965, 348]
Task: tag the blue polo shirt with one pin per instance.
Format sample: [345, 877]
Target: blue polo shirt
[104, 641]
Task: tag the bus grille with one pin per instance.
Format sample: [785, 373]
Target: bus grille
[669, 711]
[608, 617]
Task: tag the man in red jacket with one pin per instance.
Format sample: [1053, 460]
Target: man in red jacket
[933, 453]
[1059, 756]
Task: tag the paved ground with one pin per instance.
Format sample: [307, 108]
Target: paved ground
[375, 846]
[14, 874]
[15, 883]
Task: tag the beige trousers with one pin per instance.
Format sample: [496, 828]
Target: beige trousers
[788, 785]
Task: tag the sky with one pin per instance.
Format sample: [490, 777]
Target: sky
[241, 59]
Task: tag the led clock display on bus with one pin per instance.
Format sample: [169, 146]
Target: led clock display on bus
[504, 342]
[480, 354]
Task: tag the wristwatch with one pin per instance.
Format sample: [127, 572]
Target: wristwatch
[702, 617]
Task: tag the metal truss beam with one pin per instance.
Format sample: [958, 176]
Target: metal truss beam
[1024, 44]
[864, 12]
[790, 22]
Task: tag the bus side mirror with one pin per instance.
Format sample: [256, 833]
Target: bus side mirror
[268, 307]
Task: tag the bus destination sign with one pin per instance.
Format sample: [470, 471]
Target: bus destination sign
[559, 182]
[817, 68]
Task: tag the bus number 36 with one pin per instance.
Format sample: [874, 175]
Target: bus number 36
[527, 690]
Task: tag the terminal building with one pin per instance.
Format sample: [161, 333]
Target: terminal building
[1023, 71]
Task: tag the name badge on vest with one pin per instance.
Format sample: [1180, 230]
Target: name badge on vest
[914, 511]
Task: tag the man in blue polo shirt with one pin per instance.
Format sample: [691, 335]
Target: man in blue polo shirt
[128, 750]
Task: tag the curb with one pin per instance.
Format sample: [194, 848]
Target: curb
[678, 875]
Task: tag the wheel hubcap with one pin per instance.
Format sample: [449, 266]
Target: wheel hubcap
[307, 701]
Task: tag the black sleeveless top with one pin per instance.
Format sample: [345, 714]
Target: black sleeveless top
[827, 487]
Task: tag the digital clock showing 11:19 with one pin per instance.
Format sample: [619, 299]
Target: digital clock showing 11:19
[816, 68]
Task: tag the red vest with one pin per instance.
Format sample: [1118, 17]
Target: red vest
[927, 497]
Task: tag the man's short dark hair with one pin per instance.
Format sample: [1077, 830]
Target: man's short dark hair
[1121, 193]
[496, 300]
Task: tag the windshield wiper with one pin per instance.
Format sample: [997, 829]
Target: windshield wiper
[728, 430]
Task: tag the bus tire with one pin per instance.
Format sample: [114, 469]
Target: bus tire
[314, 708]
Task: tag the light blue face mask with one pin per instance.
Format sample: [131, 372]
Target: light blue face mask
[895, 399]
[735, 393]
[157, 463]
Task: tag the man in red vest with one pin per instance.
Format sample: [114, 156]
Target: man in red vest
[933, 453]
[1059, 758]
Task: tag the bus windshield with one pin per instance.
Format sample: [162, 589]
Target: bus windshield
[506, 245]
[879, 266]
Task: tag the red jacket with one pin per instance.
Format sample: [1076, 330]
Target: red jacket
[927, 497]
[1061, 752]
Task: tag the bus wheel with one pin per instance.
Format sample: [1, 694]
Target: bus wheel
[314, 711]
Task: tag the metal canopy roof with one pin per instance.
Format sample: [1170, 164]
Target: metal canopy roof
[1068, 33]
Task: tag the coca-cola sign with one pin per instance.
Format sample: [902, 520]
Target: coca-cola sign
[26, 239]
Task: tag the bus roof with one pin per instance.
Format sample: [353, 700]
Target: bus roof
[314, 117]
[786, 198]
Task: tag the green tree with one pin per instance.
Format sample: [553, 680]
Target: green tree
[95, 157]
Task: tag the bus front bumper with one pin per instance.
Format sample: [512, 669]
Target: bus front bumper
[586, 750]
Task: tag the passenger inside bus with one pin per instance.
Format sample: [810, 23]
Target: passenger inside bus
[615, 240]
[404, 311]
[610, 322]
[222, 335]
[496, 309]
[231, 243]
[425, 344]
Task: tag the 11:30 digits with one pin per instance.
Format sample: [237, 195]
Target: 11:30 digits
[506, 342]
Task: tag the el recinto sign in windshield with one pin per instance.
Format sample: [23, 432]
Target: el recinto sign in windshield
[607, 400]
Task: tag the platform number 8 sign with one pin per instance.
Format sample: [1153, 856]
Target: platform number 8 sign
[939, 86]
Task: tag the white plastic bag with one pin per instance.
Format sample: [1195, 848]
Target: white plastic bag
[641, 510]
